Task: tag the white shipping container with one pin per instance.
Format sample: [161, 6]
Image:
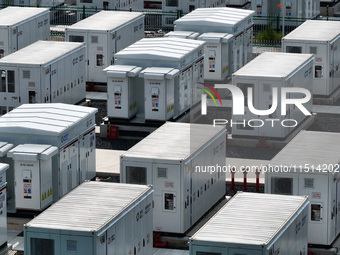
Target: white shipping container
[33, 175]
[123, 90]
[22, 26]
[218, 52]
[70, 128]
[255, 224]
[269, 71]
[105, 33]
[96, 218]
[321, 38]
[3, 205]
[186, 55]
[309, 165]
[174, 159]
[43, 72]
[234, 21]
[160, 85]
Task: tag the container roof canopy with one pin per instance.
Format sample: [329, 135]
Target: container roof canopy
[222, 16]
[43, 119]
[315, 30]
[166, 48]
[90, 207]
[273, 64]
[250, 218]
[174, 141]
[40, 53]
[14, 15]
[312, 148]
[105, 20]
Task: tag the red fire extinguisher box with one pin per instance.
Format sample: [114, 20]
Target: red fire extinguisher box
[113, 133]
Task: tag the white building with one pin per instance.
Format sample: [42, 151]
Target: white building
[322, 39]
[268, 72]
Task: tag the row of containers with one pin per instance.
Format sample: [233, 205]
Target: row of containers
[300, 206]
[164, 82]
[50, 72]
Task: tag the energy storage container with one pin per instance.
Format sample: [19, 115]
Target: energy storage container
[183, 34]
[324, 43]
[33, 175]
[186, 55]
[22, 26]
[105, 33]
[95, 218]
[3, 205]
[43, 72]
[255, 224]
[273, 78]
[309, 165]
[70, 128]
[123, 91]
[234, 21]
[184, 163]
[218, 55]
[159, 92]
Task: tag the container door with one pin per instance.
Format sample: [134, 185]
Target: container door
[64, 169]
[97, 57]
[332, 67]
[237, 251]
[74, 164]
[9, 90]
[87, 156]
[316, 187]
[167, 198]
[208, 250]
[47, 93]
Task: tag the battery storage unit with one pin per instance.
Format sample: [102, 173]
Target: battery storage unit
[22, 26]
[95, 218]
[183, 34]
[218, 55]
[255, 224]
[186, 55]
[309, 165]
[265, 73]
[174, 159]
[33, 175]
[3, 205]
[321, 38]
[105, 33]
[70, 128]
[122, 91]
[159, 91]
[43, 72]
[234, 21]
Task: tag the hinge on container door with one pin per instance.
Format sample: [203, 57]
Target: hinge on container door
[19, 99]
[88, 62]
[153, 204]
